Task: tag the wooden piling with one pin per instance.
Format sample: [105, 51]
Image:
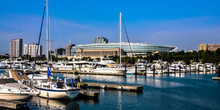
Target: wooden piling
[135, 69]
[179, 71]
[146, 69]
[218, 71]
[168, 71]
[190, 68]
[125, 68]
[154, 70]
[175, 70]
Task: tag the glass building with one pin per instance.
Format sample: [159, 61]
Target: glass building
[100, 39]
[136, 48]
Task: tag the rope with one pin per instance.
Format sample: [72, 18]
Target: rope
[127, 36]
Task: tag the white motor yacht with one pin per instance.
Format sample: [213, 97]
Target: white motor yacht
[12, 90]
[108, 68]
[2, 65]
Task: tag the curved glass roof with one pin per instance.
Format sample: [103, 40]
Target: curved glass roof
[137, 48]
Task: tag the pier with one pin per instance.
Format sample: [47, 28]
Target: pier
[112, 86]
[88, 94]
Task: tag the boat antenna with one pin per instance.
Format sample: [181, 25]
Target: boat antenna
[38, 44]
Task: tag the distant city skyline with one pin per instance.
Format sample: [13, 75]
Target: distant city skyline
[181, 23]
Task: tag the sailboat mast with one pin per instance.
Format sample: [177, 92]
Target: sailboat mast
[47, 33]
[120, 41]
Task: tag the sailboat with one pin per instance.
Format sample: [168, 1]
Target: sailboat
[54, 89]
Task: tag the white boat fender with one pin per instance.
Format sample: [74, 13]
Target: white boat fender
[104, 87]
[120, 88]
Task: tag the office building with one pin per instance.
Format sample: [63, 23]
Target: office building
[31, 49]
[16, 48]
[68, 49]
[100, 39]
[59, 52]
[210, 47]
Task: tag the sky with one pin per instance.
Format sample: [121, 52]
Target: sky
[181, 23]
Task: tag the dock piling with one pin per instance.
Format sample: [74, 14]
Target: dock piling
[218, 71]
[154, 70]
[135, 69]
[146, 69]
[125, 69]
[190, 68]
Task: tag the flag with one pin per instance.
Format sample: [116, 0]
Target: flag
[48, 72]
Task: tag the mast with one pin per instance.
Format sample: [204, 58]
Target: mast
[120, 41]
[47, 33]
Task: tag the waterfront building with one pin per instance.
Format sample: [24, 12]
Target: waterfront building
[94, 53]
[210, 47]
[59, 51]
[16, 47]
[68, 49]
[100, 39]
[31, 49]
[111, 49]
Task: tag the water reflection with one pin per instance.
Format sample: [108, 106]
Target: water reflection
[38, 103]
[119, 101]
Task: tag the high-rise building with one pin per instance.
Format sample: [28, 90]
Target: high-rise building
[59, 51]
[100, 39]
[16, 48]
[68, 49]
[31, 49]
[210, 47]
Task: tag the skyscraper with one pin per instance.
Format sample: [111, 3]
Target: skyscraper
[16, 48]
[31, 49]
[68, 49]
[100, 39]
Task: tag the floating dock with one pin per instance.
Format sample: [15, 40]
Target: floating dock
[18, 105]
[88, 94]
[216, 78]
[113, 86]
[82, 72]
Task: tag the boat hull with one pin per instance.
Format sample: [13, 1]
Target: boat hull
[14, 96]
[57, 94]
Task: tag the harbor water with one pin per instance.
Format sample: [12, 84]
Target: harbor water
[180, 91]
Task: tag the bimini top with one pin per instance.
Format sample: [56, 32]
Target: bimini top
[137, 48]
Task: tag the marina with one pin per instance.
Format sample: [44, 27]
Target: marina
[153, 87]
[115, 55]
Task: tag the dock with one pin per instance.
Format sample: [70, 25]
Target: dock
[112, 86]
[82, 72]
[216, 78]
[88, 94]
[13, 105]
